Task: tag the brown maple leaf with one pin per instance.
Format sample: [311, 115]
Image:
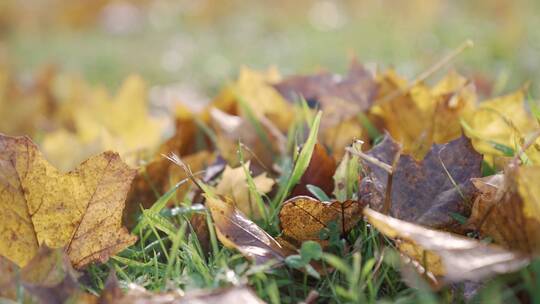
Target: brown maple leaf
[431, 192]
[303, 218]
[357, 88]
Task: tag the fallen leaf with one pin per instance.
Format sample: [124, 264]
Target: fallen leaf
[445, 257]
[236, 231]
[122, 123]
[450, 108]
[136, 294]
[421, 115]
[255, 89]
[430, 192]
[320, 173]
[340, 97]
[232, 130]
[341, 135]
[27, 106]
[8, 287]
[508, 209]
[502, 122]
[356, 90]
[241, 294]
[233, 184]
[407, 117]
[303, 218]
[160, 175]
[80, 210]
[48, 278]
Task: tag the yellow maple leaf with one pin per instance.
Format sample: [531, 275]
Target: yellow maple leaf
[502, 121]
[264, 100]
[121, 124]
[80, 210]
[234, 185]
[422, 115]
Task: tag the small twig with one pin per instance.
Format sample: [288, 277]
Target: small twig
[176, 160]
[370, 159]
[427, 73]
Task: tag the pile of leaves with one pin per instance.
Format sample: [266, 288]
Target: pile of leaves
[335, 181]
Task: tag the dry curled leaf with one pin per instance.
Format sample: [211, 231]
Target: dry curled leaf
[80, 210]
[241, 294]
[430, 192]
[320, 173]
[236, 231]
[303, 218]
[136, 294]
[446, 257]
[508, 209]
[233, 184]
[48, 278]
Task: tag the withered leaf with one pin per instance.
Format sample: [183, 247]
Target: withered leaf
[341, 98]
[48, 278]
[255, 89]
[136, 294]
[429, 192]
[121, 123]
[303, 218]
[420, 115]
[508, 209]
[444, 256]
[236, 231]
[357, 89]
[231, 129]
[159, 175]
[80, 210]
[320, 173]
[241, 294]
[8, 288]
[502, 120]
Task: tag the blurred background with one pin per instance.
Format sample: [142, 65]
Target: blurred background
[201, 44]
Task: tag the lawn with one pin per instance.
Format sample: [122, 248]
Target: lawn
[206, 91]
